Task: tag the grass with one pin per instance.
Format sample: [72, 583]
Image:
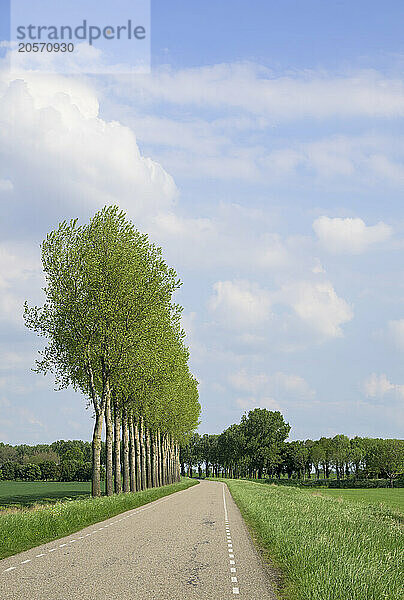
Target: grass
[327, 549]
[26, 528]
[29, 493]
[386, 496]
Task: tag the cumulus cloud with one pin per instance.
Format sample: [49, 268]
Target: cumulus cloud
[56, 147]
[240, 302]
[349, 236]
[317, 306]
[377, 386]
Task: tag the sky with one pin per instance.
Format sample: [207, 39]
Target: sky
[264, 153]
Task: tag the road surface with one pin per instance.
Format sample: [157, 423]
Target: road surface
[189, 545]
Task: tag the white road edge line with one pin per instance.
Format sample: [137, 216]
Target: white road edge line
[236, 590]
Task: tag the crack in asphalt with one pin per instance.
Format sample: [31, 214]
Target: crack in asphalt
[194, 567]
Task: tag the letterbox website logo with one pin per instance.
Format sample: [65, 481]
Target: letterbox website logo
[87, 36]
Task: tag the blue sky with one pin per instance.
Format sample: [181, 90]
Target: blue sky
[264, 153]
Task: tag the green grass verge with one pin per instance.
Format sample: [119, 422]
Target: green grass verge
[393, 497]
[28, 493]
[24, 529]
[325, 548]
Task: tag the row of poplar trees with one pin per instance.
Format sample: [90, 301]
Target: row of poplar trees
[114, 334]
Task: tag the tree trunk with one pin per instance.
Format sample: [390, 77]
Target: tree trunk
[164, 459]
[125, 436]
[142, 455]
[178, 464]
[153, 459]
[148, 458]
[96, 451]
[170, 460]
[132, 454]
[138, 460]
[108, 444]
[160, 457]
[156, 482]
[117, 447]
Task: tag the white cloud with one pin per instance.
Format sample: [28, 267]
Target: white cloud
[317, 305]
[56, 145]
[279, 383]
[349, 236]
[6, 185]
[377, 386]
[257, 90]
[240, 302]
[395, 330]
[251, 402]
[20, 269]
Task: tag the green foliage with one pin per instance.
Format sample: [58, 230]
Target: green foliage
[8, 470]
[113, 330]
[28, 472]
[256, 448]
[49, 470]
[68, 470]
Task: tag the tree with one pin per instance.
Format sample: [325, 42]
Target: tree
[8, 470]
[49, 470]
[340, 448]
[7, 453]
[29, 472]
[387, 457]
[105, 283]
[265, 432]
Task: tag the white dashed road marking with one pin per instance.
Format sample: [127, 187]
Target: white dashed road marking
[230, 550]
[81, 537]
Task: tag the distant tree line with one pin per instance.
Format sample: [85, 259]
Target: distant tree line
[114, 334]
[257, 448]
[60, 461]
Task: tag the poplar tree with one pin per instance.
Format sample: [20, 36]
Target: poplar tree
[105, 283]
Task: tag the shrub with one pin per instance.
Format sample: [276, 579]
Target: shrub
[8, 470]
[49, 470]
[84, 472]
[29, 472]
[68, 470]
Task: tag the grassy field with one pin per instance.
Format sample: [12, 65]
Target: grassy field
[26, 528]
[28, 493]
[389, 497]
[326, 549]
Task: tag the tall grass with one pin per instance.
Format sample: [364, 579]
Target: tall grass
[326, 549]
[27, 528]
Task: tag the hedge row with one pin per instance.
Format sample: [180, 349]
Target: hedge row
[70, 470]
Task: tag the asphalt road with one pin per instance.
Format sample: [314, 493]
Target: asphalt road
[191, 544]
